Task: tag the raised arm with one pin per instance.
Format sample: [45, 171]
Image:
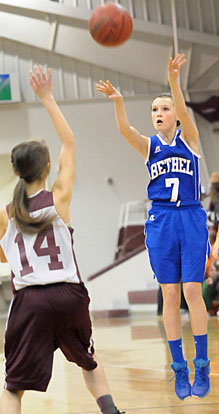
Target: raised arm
[63, 185]
[135, 139]
[189, 130]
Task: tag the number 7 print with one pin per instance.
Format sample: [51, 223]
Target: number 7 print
[175, 190]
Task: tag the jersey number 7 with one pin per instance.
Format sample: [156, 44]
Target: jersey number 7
[175, 183]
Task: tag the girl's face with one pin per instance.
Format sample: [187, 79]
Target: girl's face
[163, 114]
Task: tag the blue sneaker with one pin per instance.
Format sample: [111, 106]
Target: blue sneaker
[201, 385]
[182, 385]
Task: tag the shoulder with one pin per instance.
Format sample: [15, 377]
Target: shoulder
[3, 216]
[3, 222]
[154, 140]
[153, 137]
[62, 206]
[193, 148]
[191, 140]
[153, 144]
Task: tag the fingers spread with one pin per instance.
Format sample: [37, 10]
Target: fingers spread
[109, 84]
[180, 59]
[49, 74]
[37, 73]
[170, 62]
[33, 83]
[103, 83]
[176, 63]
[105, 87]
[42, 73]
[100, 88]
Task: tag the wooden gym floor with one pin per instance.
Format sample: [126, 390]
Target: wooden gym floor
[137, 364]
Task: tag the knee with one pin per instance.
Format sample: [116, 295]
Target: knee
[192, 292]
[17, 394]
[20, 394]
[11, 396]
[171, 297]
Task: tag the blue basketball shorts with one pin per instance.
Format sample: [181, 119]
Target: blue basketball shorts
[177, 242]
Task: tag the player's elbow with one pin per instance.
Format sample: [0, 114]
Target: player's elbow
[125, 131]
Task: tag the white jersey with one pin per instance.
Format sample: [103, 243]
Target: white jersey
[41, 258]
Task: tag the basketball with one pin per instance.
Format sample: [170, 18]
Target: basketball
[110, 24]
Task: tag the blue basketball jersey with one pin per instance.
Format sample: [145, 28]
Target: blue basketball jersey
[173, 170]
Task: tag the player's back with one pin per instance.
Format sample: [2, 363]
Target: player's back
[45, 257]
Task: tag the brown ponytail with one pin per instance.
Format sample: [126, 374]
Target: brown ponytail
[29, 160]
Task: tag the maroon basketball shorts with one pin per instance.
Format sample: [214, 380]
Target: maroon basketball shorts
[42, 319]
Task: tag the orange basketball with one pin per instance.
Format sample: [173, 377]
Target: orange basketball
[110, 24]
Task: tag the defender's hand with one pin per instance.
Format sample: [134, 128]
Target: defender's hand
[40, 82]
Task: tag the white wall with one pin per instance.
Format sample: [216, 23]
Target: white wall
[210, 143]
[134, 274]
[101, 153]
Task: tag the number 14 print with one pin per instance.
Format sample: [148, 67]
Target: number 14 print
[51, 250]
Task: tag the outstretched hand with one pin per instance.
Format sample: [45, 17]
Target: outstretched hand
[108, 89]
[40, 82]
[175, 66]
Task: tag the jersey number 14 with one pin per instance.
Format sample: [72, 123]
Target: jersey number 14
[51, 250]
